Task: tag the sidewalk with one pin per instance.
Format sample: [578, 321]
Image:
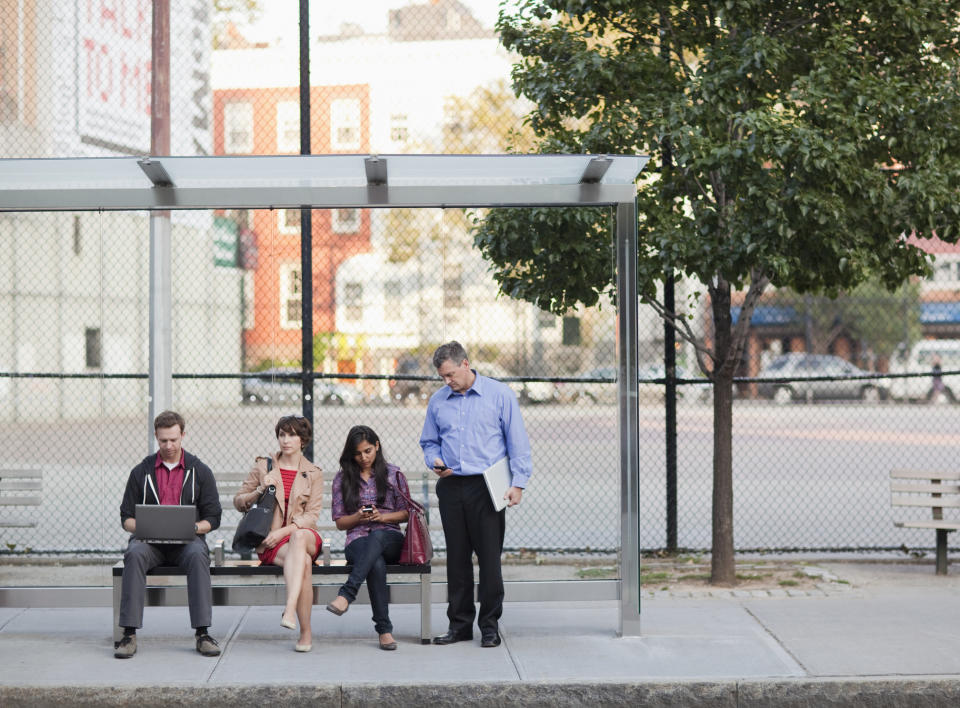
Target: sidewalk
[887, 636]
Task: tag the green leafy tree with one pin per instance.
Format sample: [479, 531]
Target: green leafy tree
[791, 144]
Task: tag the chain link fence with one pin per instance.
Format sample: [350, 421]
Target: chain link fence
[831, 394]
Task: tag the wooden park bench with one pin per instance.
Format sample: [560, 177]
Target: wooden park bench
[258, 585]
[20, 489]
[928, 490]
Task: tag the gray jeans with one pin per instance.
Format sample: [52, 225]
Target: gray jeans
[193, 557]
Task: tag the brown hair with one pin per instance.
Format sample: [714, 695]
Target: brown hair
[168, 419]
[296, 425]
[452, 351]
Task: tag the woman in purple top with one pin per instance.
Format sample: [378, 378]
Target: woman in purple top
[365, 503]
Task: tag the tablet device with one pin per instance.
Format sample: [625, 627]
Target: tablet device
[498, 479]
[166, 523]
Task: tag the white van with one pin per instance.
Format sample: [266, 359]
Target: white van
[920, 360]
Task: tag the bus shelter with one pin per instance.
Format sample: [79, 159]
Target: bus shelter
[162, 184]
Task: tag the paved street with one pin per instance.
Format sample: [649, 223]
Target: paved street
[805, 475]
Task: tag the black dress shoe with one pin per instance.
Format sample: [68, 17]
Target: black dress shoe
[452, 638]
[490, 640]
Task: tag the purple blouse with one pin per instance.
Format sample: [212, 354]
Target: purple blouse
[392, 501]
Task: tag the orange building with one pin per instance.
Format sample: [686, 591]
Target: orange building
[266, 121]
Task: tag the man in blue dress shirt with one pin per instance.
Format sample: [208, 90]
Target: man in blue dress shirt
[472, 422]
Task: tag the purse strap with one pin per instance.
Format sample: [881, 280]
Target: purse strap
[417, 505]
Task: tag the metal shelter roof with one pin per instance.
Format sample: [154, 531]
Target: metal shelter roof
[321, 181]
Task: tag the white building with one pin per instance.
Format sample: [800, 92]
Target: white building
[75, 81]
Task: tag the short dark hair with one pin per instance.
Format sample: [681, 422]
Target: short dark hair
[451, 351]
[168, 419]
[296, 425]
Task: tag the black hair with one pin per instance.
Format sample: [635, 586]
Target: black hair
[350, 480]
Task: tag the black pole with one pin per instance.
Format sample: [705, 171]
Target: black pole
[669, 352]
[306, 228]
[670, 412]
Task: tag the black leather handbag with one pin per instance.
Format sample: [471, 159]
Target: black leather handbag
[255, 524]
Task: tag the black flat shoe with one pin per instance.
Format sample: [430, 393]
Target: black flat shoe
[335, 610]
[452, 638]
[490, 640]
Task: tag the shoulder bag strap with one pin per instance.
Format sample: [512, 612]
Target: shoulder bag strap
[407, 498]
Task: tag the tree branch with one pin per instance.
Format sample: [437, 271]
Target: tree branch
[758, 283]
[682, 327]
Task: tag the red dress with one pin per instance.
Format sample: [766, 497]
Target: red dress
[270, 554]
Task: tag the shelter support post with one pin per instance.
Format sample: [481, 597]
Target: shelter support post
[161, 283]
[627, 417]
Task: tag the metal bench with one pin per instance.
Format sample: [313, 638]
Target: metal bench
[271, 589]
[19, 488]
[931, 490]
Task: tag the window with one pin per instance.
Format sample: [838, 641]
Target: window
[288, 221]
[345, 124]
[353, 300]
[393, 289]
[392, 300]
[453, 286]
[291, 296]
[944, 271]
[238, 127]
[399, 130]
[92, 348]
[345, 221]
[288, 126]
[546, 320]
[571, 331]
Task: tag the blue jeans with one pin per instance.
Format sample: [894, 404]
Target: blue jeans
[369, 556]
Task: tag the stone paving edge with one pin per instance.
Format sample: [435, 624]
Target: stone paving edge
[883, 692]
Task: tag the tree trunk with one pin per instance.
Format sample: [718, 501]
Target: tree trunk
[722, 568]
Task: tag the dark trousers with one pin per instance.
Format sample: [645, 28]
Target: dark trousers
[471, 525]
[369, 556]
[194, 557]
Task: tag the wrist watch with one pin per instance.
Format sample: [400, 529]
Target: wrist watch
[196, 529]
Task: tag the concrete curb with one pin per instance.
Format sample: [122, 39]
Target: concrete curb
[912, 692]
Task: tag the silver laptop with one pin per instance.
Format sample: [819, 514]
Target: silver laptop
[168, 523]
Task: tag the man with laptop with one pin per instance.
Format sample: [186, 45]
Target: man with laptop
[169, 505]
[473, 429]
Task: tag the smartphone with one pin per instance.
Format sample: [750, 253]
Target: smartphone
[367, 509]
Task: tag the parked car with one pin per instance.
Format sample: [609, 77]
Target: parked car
[591, 392]
[920, 359]
[409, 391]
[798, 366]
[527, 391]
[268, 388]
[699, 392]
[647, 390]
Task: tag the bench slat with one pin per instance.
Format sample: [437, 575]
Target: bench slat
[16, 485]
[915, 488]
[20, 501]
[948, 525]
[21, 473]
[923, 474]
[12, 524]
[927, 502]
